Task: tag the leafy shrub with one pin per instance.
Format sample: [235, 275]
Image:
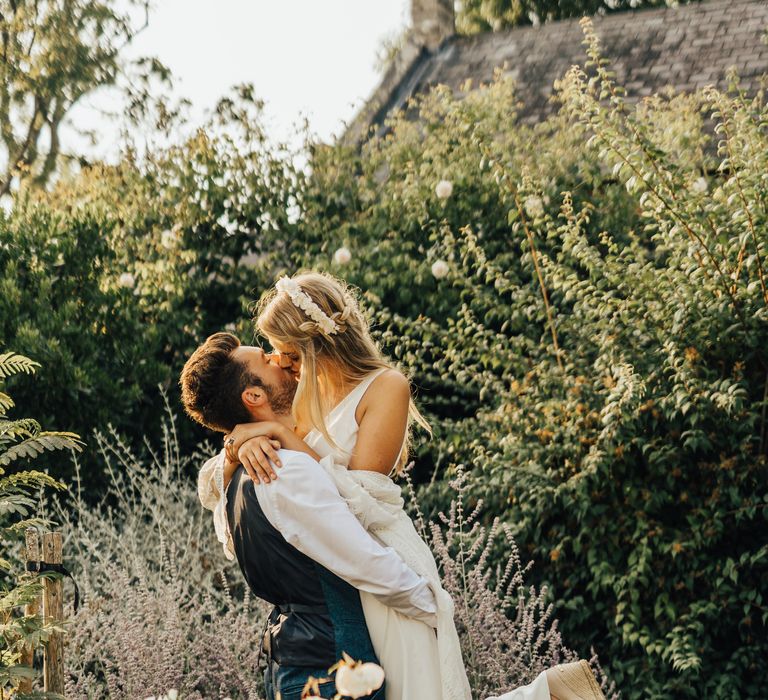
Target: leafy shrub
[63, 298]
[114, 277]
[595, 355]
[21, 439]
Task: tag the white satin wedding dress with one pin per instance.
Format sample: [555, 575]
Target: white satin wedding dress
[419, 664]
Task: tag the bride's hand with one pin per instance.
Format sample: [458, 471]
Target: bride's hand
[258, 455]
[245, 431]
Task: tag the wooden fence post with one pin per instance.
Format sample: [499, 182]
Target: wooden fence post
[53, 609]
[31, 609]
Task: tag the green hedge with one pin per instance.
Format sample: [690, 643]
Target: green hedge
[611, 403]
[114, 277]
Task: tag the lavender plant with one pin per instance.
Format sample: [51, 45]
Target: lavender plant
[158, 613]
[508, 629]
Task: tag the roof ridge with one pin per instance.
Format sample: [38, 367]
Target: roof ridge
[617, 16]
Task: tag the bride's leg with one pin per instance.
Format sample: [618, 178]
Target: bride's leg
[564, 682]
[574, 681]
[536, 690]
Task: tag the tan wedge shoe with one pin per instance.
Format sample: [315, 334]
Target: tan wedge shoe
[573, 681]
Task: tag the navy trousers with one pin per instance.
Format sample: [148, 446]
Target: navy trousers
[289, 681]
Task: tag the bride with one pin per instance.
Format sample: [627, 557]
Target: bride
[354, 409]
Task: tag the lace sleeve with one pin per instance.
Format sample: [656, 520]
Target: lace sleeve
[213, 496]
[209, 487]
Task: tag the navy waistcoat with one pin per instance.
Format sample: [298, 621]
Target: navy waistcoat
[317, 616]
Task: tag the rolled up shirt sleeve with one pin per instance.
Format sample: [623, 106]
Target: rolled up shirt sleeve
[305, 506]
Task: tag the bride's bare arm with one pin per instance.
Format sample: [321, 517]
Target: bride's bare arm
[254, 446]
[383, 419]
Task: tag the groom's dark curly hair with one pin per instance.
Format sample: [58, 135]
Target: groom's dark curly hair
[212, 382]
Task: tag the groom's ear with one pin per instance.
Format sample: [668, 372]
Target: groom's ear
[254, 397]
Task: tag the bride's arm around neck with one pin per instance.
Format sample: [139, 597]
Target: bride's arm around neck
[382, 416]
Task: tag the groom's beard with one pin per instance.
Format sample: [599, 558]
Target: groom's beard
[281, 395]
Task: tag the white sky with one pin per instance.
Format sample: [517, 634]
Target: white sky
[312, 58]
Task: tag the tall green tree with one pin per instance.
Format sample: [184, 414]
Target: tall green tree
[475, 16]
[55, 52]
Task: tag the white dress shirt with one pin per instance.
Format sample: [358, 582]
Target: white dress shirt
[304, 505]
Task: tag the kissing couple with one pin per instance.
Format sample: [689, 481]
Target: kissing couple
[301, 495]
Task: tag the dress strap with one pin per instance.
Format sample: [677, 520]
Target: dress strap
[353, 398]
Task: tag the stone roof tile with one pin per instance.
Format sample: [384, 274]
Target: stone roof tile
[687, 47]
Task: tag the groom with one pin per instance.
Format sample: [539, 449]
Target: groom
[297, 543]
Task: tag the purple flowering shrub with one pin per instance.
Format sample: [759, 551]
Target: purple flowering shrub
[157, 610]
[508, 631]
[162, 609]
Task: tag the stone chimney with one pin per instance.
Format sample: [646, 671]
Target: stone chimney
[432, 22]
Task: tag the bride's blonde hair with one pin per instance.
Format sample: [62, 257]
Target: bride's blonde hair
[338, 353]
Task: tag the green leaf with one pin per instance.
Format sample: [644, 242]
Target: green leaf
[13, 363]
[33, 447]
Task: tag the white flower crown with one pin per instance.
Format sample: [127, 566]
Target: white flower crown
[303, 301]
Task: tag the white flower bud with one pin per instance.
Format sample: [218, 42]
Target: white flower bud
[359, 680]
[440, 269]
[700, 186]
[126, 280]
[227, 224]
[173, 694]
[534, 206]
[342, 256]
[168, 239]
[444, 189]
